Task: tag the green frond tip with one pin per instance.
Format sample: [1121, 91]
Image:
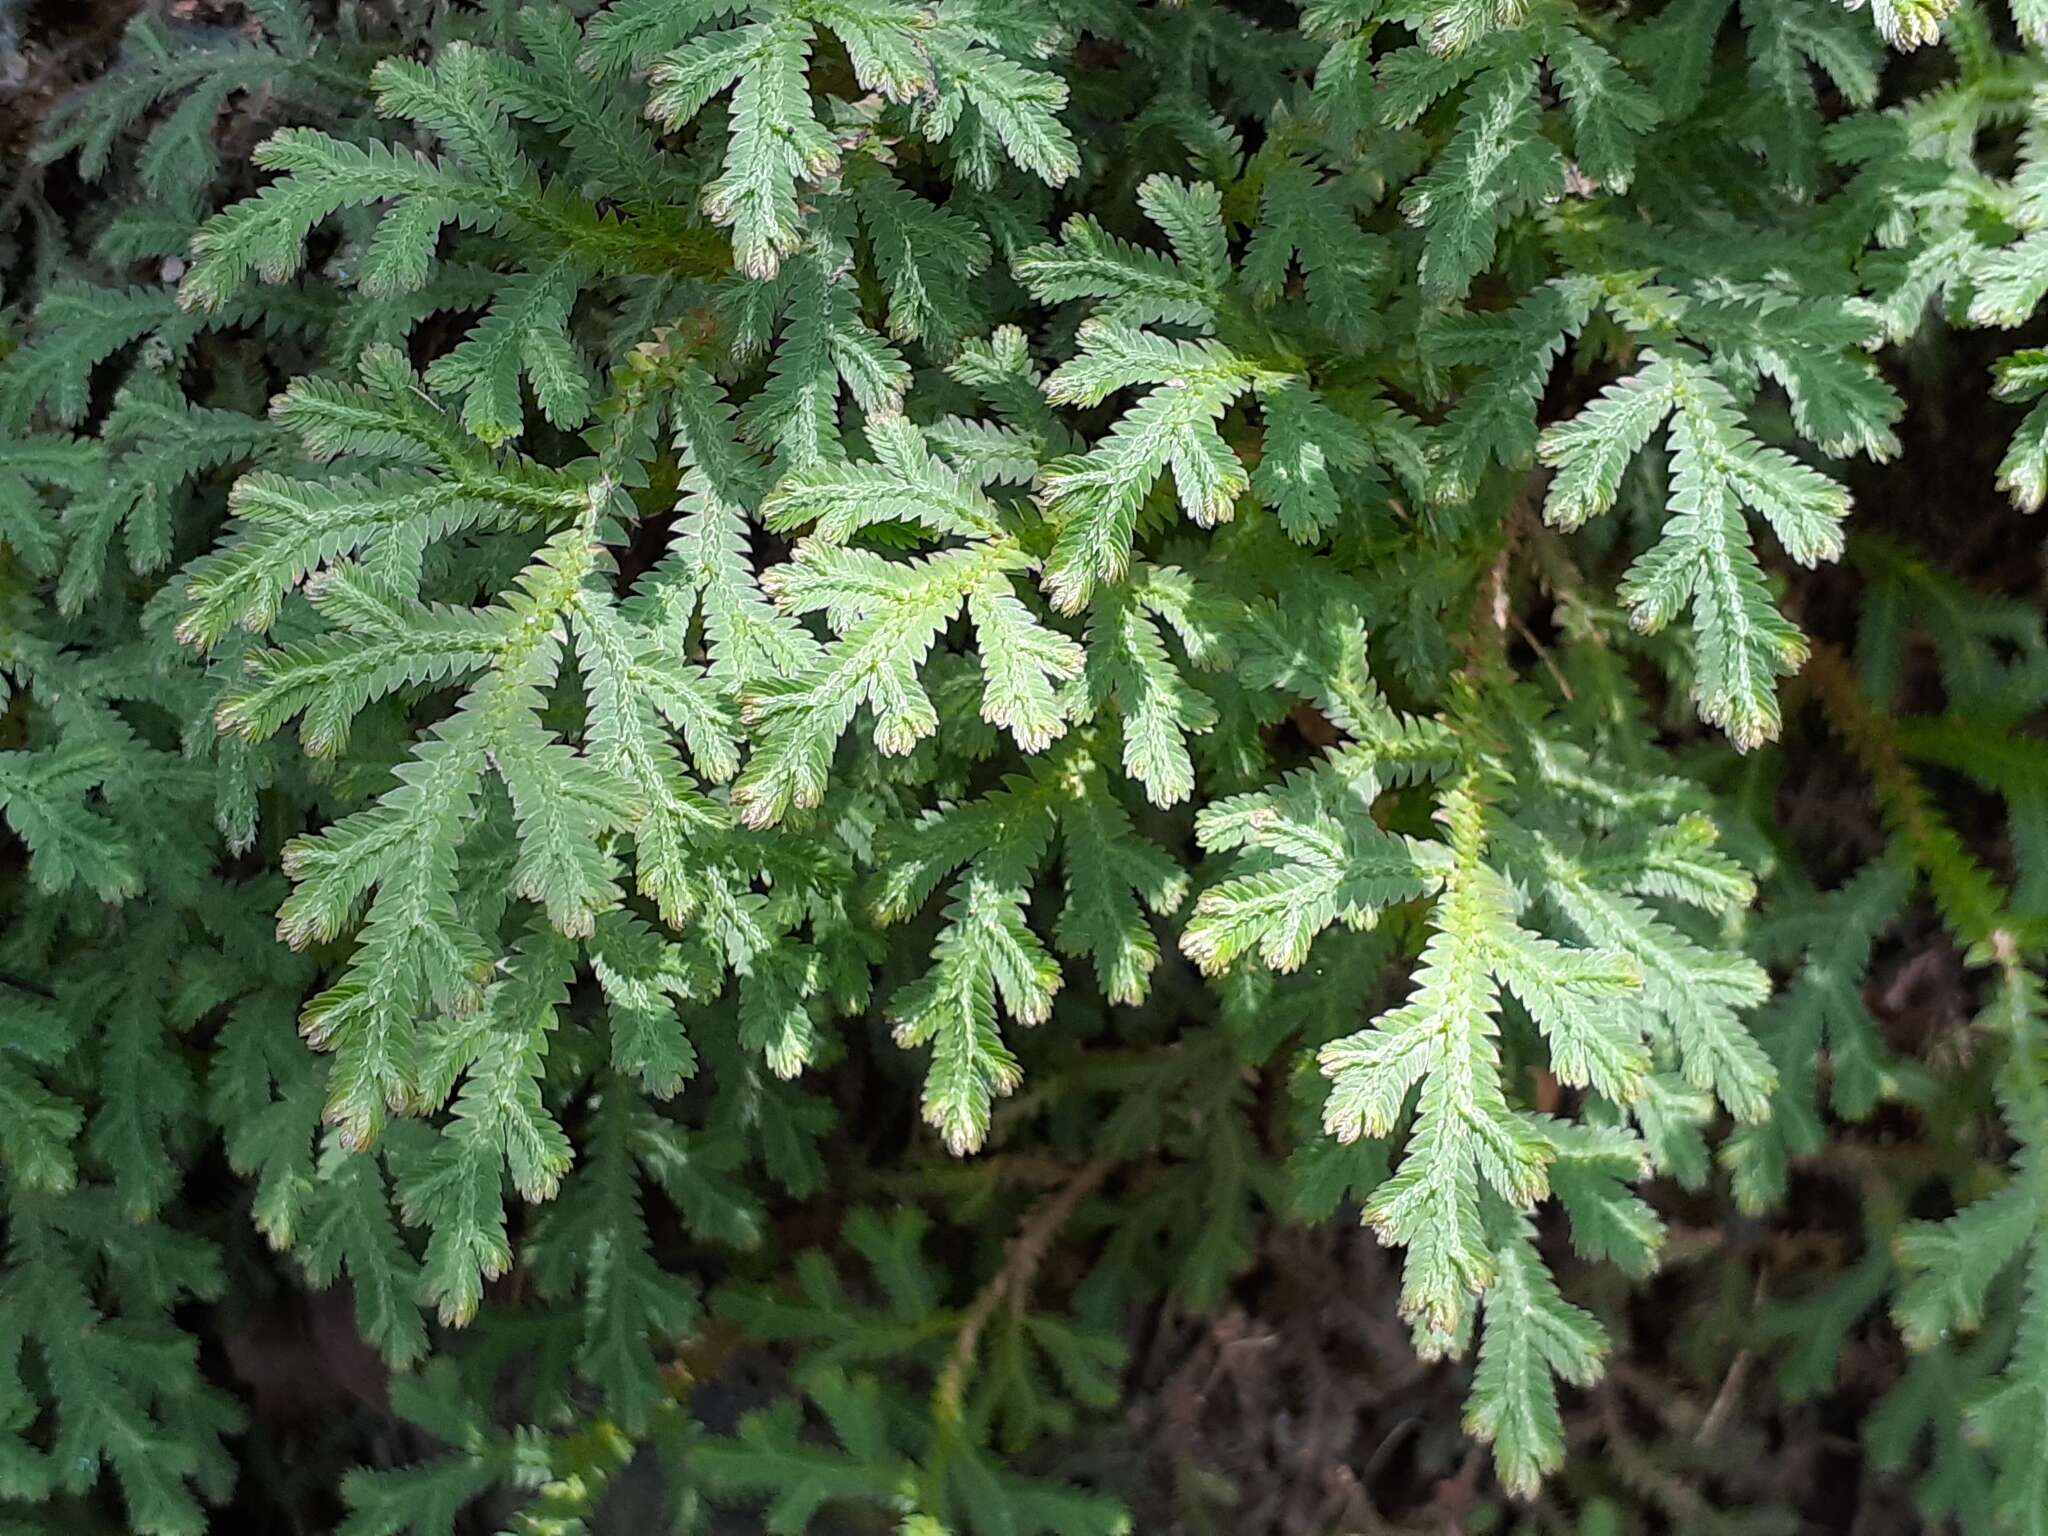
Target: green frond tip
[1467, 1144]
[1909, 24]
[1704, 558]
[1530, 1338]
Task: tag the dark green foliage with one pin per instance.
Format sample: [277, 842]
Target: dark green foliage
[776, 719]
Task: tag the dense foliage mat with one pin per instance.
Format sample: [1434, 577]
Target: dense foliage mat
[797, 733]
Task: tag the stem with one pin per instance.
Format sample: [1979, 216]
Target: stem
[1972, 903]
[1012, 1282]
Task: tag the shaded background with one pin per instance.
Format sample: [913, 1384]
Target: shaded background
[1298, 1406]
